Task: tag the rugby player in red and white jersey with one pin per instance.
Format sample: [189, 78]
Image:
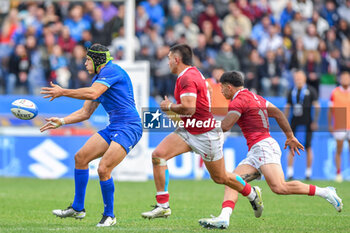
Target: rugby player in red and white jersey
[199, 132]
[251, 113]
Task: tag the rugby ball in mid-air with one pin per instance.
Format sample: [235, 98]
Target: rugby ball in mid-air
[24, 109]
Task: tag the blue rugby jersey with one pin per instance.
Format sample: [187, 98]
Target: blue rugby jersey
[118, 100]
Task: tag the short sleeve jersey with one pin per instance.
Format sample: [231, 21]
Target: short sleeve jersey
[340, 101]
[118, 100]
[192, 83]
[253, 120]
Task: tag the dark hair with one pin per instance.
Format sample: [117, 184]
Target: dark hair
[184, 51]
[235, 78]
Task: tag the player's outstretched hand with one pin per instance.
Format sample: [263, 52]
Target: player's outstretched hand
[164, 105]
[52, 92]
[294, 145]
[52, 123]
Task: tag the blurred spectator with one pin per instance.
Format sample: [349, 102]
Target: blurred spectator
[79, 76]
[298, 25]
[175, 15]
[305, 7]
[120, 43]
[8, 29]
[236, 23]
[344, 11]
[332, 41]
[287, 37]
[169, 37]
[311, 39]
[312, 69]
[343, 30]
[345, 55]
[329, 12]
[272, 82]
[213, 41]
[271, 41]
[298, 55]
[116, 23]
[261, 29]
[19, 66]
[287, 14]
[251, 70]
[109, 11]
[59, 67]
[332, 66]
[65, 41]
[99, 28]
[142, 20]
[152, 40]
[210, 15]
[203, 57]
[241, 48]
[76, 23]
[155, 13]
[226, 58]
[86, 39]
[321, 24]
[188, 29]
[50, 14]
[192, 8]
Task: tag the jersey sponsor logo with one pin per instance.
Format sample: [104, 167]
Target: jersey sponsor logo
[48, 156]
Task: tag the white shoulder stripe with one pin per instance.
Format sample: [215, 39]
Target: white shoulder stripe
[235, 112]
[188, 94]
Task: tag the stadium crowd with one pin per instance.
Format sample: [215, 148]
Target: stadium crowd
[265, 39]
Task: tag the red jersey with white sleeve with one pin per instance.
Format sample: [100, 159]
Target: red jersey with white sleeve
[191, 82]
[253, 120]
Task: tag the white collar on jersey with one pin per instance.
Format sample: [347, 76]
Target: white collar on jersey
[238, 92]
[183, 71]
[345, 90]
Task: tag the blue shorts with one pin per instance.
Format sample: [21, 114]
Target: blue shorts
[127, 135]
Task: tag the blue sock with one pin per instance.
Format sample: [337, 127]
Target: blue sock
[81, 178]
[107, 188]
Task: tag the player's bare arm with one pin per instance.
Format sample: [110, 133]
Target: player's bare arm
[229, 121]
[314, 124]
[186, 107]
[85, 93]
[80, 115]
[282, 121]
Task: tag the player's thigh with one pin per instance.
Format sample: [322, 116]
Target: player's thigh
[94, 148]
[113, 156]
[171, 146]
[247, 172]
[273, 173]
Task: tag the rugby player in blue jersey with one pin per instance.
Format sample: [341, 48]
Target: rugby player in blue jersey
[112, 87]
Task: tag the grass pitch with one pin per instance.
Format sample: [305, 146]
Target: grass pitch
[26, 204]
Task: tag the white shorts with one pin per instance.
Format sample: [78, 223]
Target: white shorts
[208, 145]
[264, 152]
[341, 135]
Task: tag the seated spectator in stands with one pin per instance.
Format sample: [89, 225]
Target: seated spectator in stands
[175, 15]
[344, 11]
[287, 37]
[251, 71]
[287, 14]
[321, 24]
[329, 12]
[141, 20]
[99, 28]
[192, 8]
[305, 7]
[210, 15]
[59, 67]
[9, 26]
[331, 66]
[311, 39]
[261, 8]
[19, 66]
[36, 75]
[345, 55]
[86, 39]
[226, 59]
[152, 39]
[298, 55]
[203, 57]
[76, 23]
[272, 82]
[213, 40]
[120, 43]
[116, 23]
[271, 41]
[236, 23]
[164, 81]
[343, 30]
[79, 75]
[66, 41]
[312, 69]
[241, 48]
[155, 13]
[332, 42]
[169, 37]
[298, 25]
[50, 14]
[109, 11]
[189, 29]
[261, 29]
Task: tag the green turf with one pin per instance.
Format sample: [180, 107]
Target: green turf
[26, 204]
